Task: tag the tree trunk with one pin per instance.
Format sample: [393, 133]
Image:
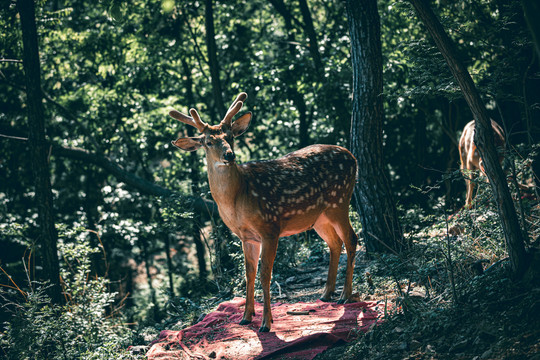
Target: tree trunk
[194, 176]
[147, 258]
[212, 59]
[170, 268]
[39, 149]
[373, 197]
[292, 74]
[449, 144]
[483, 138]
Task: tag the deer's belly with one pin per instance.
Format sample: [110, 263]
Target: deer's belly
[297, 225]
[253, 225]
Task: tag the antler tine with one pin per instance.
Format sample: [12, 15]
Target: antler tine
[194, 121]
[199, 124]
[232, 111]
[234, 108]
[241, 97]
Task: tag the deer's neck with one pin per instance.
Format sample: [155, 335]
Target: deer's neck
[226, 183]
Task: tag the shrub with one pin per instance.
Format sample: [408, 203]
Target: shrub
[86, 327]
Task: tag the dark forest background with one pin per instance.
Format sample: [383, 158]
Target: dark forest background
[135, 221]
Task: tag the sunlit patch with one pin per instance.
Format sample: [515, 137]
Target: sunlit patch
[219, 164]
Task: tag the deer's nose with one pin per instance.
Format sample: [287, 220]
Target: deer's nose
[229, 156]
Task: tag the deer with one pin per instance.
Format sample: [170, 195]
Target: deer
[261, 201]
[470, 157]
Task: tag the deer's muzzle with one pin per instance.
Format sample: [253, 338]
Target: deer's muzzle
[229, 156]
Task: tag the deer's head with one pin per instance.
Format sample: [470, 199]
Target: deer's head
[216, 140]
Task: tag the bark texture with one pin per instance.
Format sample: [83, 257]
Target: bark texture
[373, 197]
[212, 58]
[39, 150]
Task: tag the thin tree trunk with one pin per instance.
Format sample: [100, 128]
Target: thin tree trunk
[39, 149]
[147, 264]
[195, 177]
[170, 273]
[334, 97]
[373, 197]
[212, 58]
[292, 75]
[531, 8]
[450, 148]
[483, 138]
[310, 32]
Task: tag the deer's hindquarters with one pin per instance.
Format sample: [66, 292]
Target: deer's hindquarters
[470, 157]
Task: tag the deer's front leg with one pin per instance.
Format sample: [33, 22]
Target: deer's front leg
[251, 250]
[268, 254]
[470, 184]
[469, 197]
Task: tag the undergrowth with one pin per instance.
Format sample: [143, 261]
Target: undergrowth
[453, 293]
[87, 326]
[450, 296]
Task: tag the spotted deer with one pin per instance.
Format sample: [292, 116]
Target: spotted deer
[261, 201]
[470, 158]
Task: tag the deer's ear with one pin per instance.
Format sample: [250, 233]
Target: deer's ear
[188, 143]
[241, 124]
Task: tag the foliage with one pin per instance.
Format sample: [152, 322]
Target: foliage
[87, 326]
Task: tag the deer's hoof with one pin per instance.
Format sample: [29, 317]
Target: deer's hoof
[264, 329]
[342, 301]
[245, 322]
[325, 299]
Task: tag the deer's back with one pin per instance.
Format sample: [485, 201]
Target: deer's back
[302, 182]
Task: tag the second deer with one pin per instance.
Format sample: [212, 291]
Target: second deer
[470, 158]
[262, 201]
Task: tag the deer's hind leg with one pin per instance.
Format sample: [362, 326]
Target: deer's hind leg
[326, 231]
[339, 219]
[467, 169]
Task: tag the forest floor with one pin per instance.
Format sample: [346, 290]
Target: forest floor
[485, 314]
[496, 319]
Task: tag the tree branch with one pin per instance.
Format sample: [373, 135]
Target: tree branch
[281, 8]
[203, 206]
[207, 208]
[11, 60]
